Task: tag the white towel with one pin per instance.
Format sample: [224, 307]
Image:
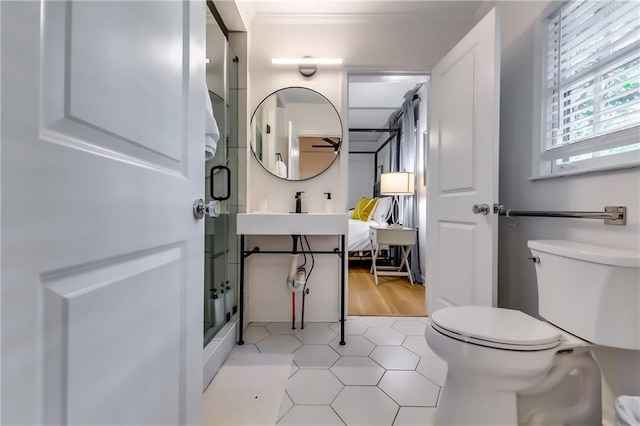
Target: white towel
[281, 169]
[212, 133]
[628, 410]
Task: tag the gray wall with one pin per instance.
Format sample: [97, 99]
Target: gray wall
[517, 281]
[360, 178]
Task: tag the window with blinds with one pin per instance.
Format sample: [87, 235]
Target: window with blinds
[592, 98]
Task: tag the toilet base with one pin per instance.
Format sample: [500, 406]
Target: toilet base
[463, 402]
[468, 399]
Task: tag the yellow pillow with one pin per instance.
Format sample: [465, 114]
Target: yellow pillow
[364, 208]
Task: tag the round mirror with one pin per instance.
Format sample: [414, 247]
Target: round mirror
[296, 133]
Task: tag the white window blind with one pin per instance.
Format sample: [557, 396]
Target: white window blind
[592, 83]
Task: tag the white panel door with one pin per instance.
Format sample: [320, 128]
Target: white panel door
[102, 260]
[462, 171]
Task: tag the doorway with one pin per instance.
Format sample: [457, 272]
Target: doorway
[387, 122]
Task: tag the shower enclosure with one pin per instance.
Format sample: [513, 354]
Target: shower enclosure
[221, 183]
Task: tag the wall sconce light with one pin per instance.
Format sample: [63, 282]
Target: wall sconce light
[307, 66]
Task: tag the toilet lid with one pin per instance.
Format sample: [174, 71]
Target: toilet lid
[496, 328]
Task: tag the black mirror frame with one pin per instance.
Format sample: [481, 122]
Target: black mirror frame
[341, 133]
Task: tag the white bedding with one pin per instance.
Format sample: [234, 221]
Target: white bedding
[358, 239]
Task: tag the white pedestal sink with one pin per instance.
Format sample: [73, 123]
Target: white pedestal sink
[292, 224]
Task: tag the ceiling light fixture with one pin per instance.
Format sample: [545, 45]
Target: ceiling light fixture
[307, 60]
[307, 66]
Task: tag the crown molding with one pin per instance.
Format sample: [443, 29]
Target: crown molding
[355, 18]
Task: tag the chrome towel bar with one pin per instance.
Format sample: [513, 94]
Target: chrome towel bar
[612, 215]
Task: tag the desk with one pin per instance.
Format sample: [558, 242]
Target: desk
[381, 236]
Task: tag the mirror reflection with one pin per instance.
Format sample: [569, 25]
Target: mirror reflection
[296, 133]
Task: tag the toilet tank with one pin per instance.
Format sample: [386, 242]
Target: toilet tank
[590, 291]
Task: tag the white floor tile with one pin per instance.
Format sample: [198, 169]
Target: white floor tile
[409, 388]
[418, 345]
[365, 405]
[357, 370]
[278, 344]
[253, 334]
[404, 318]
[377, 321]
[247, 389]
[293, 370]
[358, 383]
[313, 387]
[311, 415]
[244, 349]
[285, 406]
[356, 346]
[410, 328]
[352, 327]
[395, 358]
[315, 356]
[384, 336]
[434, 369]
[316, 334]
[415, 416]
[281, 328]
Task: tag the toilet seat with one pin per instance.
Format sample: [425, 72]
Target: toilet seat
[495, 328]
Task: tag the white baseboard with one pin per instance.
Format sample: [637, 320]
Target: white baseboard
[218, 349]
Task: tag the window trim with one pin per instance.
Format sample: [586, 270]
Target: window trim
[542, 159]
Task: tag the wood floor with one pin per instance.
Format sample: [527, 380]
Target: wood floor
[393, 296]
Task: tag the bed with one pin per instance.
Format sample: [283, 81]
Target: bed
[358, 238]
[359, 234]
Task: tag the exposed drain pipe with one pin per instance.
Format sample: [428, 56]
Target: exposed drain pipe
[296, 278]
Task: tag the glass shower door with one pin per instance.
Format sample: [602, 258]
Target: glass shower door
[221, 248]
[216, 231]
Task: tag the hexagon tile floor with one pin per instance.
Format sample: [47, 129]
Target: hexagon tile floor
[386, 374]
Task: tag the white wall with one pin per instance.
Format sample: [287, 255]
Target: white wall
[268, 296]
[280, 193]
[421, 189]
[374, 44]
[517, 281]
[361, 176]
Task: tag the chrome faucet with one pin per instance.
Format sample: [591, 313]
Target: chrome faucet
[299, 201]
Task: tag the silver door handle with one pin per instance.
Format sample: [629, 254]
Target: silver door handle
[200, 208]
[481, 209]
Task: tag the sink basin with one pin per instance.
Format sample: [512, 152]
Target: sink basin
[292, 224]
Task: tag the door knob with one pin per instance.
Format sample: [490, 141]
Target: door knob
[480, 209]
[200, 208]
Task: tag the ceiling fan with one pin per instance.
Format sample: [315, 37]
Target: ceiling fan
[332, 144]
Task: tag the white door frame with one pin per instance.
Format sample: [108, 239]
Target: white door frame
[352, 71]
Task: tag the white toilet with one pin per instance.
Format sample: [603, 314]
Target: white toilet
[589, 295]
